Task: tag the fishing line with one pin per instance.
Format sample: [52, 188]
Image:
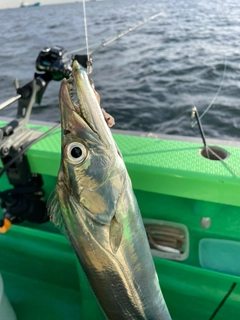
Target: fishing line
[86, 33]
[215, 97]
[9, 163]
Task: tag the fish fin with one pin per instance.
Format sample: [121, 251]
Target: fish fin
[115, 234]
[54, 211]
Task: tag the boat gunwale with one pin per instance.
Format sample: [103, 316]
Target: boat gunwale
[154, 135]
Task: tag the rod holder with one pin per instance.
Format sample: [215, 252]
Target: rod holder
[196, 115]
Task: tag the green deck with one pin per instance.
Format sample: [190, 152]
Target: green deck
[173, 182]
[166, 166]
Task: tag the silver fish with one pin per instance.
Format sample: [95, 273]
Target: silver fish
[95, 204]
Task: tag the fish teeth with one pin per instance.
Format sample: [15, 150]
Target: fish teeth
[73, 92]
[70, 80]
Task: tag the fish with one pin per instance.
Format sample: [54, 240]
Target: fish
[94, 204]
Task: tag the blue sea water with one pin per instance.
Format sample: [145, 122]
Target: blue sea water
[148, 80]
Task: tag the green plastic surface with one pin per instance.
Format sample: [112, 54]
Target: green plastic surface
[227, 253]
[172, 182]
[169, 167]
[39, 275]
[43, 280]
[163, 166]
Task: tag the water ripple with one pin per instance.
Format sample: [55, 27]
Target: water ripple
[150, 79]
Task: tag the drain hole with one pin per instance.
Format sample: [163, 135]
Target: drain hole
[214, 153]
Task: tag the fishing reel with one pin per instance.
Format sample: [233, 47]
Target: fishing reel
[55, 62]
[25, 201]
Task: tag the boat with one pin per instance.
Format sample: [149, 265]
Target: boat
[179, 184]
[25, 4]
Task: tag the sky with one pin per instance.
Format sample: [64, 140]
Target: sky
[16, 3]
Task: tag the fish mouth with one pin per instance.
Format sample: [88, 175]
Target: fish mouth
[80, 107]
[80, 91]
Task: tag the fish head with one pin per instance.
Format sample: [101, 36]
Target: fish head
[92, 169]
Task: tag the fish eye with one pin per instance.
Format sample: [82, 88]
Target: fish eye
[76, 152]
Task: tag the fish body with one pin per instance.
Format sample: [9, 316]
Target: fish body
[95, 205]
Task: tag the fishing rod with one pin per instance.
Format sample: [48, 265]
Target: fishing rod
[106, 43]
[16, 138]
[56, 65]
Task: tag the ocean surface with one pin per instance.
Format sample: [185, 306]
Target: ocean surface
[150, 79]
